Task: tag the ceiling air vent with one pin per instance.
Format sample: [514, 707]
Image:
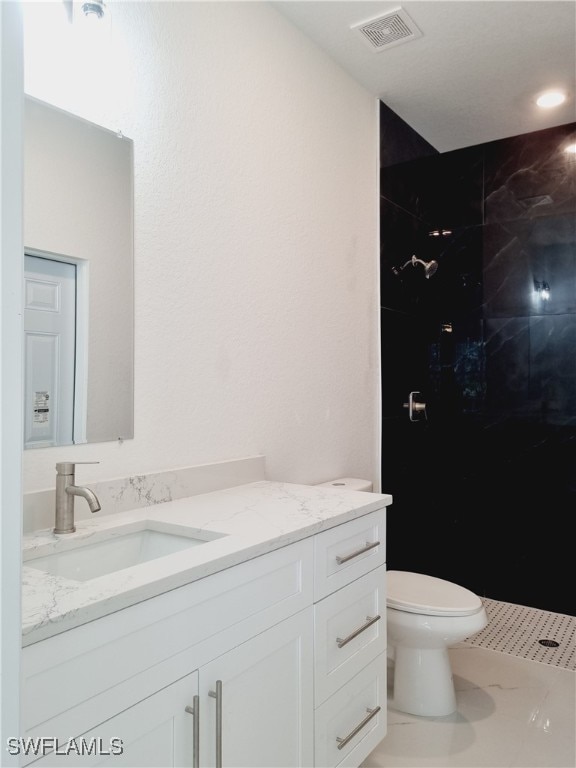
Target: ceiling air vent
[383, 32]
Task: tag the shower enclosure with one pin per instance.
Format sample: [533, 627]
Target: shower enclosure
[483, 329]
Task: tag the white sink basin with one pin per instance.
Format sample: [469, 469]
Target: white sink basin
[122, 547]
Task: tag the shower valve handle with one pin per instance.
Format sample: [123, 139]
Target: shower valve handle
[415, 407]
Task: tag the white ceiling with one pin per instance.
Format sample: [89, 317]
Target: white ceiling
[471, 77]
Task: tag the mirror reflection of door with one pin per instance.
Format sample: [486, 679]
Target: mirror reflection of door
[49, 351]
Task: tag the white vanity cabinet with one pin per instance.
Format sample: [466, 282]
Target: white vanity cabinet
[132, 674]
[249, 707]
[242, 668]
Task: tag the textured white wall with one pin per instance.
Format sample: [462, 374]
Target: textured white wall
[256, 243]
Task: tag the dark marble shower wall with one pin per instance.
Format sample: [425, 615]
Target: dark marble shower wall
[484, 486]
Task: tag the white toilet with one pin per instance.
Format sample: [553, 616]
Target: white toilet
[425, 615]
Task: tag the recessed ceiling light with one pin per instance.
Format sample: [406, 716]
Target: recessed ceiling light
[551, 99]
[571, 148]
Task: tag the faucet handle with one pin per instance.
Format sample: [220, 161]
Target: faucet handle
[67, 467]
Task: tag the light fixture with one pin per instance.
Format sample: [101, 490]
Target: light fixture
[439, 232]
[549, 99]
[542, 290]
[91, 21]
[93, 9]
[570, 149]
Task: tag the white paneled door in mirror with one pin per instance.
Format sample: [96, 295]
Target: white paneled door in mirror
[49, 352]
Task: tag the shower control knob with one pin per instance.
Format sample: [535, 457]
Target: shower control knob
[415, 407]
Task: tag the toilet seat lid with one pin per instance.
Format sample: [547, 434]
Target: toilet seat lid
[418, 593]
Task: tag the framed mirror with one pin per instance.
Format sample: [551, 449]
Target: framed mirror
[78, 281]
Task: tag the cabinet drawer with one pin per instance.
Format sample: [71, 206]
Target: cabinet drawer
[348, 551]
[349, 631]
[349, 724]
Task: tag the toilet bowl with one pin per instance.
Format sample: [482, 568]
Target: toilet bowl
[424, 616]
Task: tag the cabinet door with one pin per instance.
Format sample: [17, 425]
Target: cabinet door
[157, 732]
[265, 687]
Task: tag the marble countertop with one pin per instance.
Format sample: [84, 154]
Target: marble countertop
[250, 520]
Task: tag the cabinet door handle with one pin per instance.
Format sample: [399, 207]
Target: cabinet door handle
[371, 713]
[369, 621]
[369, 545]
[217, 694]
[194, 710]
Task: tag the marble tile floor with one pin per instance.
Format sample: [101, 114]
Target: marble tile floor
[516, 700]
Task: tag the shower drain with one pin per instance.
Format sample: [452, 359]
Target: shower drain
[549, 643]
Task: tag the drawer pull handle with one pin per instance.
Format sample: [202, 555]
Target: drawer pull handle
[195, 712]
[341, 642]
[371, 713]
[369, 545]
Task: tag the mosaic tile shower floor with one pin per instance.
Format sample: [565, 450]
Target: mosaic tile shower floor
[517, 630]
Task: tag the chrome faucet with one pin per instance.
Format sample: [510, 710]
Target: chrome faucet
[65, 492]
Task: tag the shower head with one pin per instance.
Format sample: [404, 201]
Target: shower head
[430, 267]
